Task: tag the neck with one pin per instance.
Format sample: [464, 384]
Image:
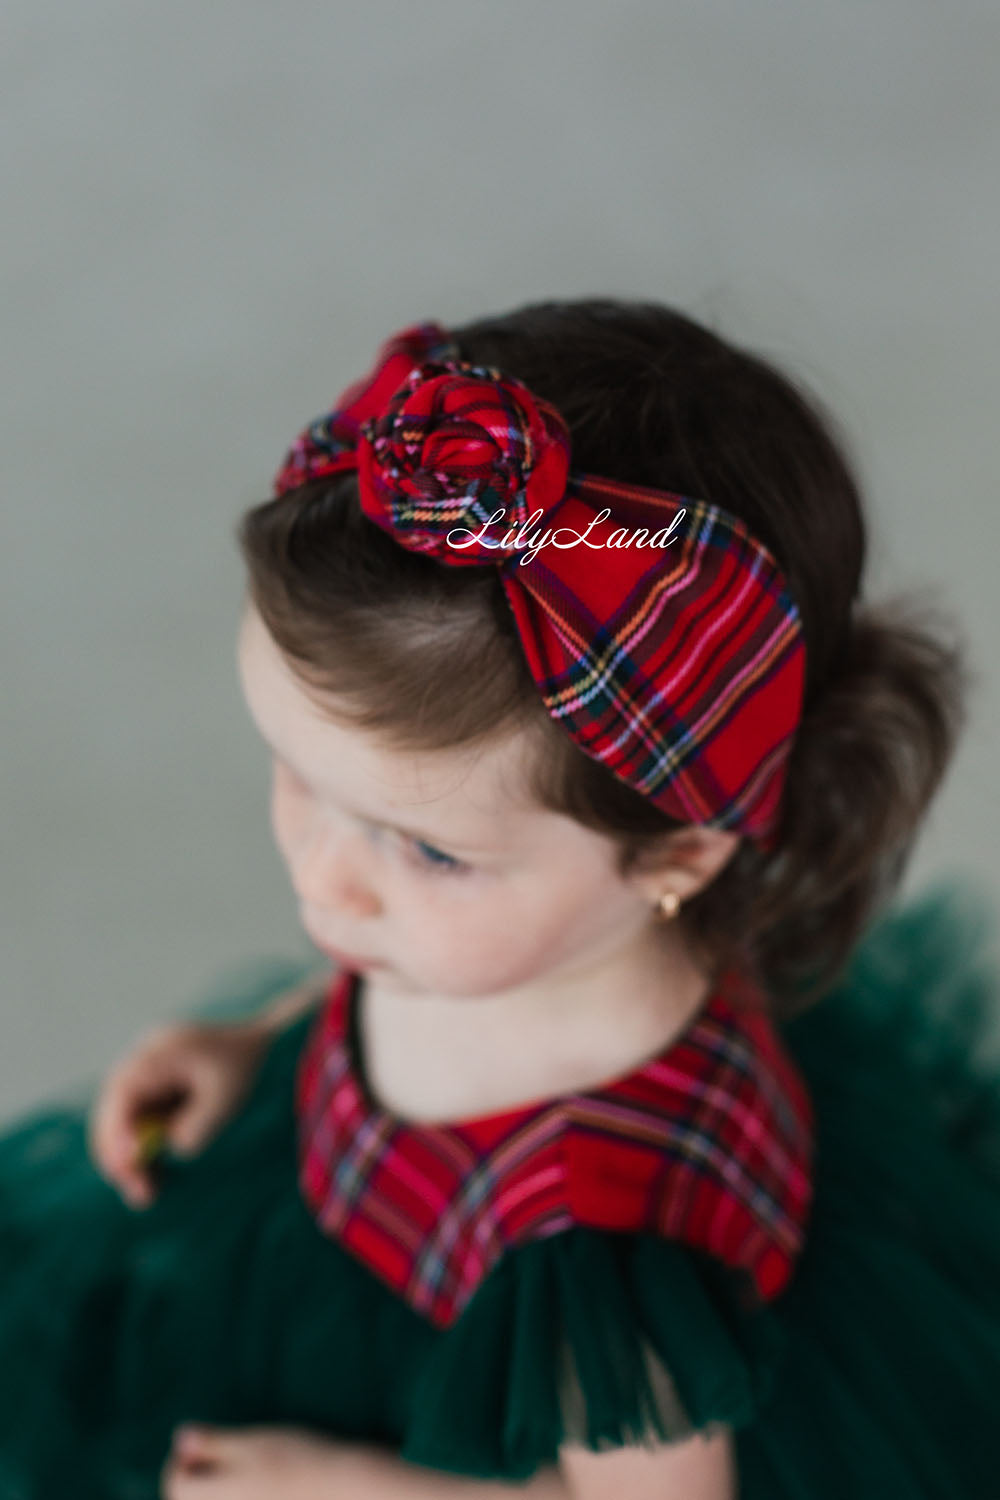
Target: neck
[571, 1028]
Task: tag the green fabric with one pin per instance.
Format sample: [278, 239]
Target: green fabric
[874, 1375]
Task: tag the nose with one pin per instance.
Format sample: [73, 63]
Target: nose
[328, 870]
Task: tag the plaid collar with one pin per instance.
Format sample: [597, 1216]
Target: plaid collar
[709, 1143]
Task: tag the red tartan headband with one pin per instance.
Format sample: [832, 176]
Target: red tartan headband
[660, 633]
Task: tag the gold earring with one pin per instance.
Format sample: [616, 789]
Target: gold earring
[669, 904]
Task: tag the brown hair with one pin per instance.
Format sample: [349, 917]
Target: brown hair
[651, 397]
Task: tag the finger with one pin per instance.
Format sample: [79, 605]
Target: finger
[115, 1106]
[192, 1124]
[106, 1131]
[128, 1166]
[145, 1085]
[179, 1481]
[174, 1476]
[198, 1442]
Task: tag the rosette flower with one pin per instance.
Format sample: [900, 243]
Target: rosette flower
[460, 458]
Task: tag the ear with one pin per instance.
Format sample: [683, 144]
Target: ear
[690, 860]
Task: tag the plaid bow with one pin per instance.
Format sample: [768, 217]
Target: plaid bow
[660, 633]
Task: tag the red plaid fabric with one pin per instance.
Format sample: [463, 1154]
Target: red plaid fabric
[456, 446]
[328, 445]
[663, 639]
[710, 1143]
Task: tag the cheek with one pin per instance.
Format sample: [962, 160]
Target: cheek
[494, 934]
[585, 914]
[279, 810]
[447, 930]
[290, 813]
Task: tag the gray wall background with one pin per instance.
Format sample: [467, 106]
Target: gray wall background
[212, 214]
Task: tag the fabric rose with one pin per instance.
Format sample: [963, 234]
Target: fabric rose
[459, 459]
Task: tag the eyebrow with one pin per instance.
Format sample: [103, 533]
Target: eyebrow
[410, 833]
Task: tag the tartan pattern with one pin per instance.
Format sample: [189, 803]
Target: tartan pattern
[683, 670]
[679, 663]
[709, 1143]
[327, 446]
[456, 446]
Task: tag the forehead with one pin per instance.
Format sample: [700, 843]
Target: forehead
[458, 792]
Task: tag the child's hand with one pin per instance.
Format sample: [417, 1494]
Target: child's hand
[255, 1463]
[189, 1077]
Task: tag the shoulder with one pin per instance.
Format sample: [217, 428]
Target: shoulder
[709, 1145]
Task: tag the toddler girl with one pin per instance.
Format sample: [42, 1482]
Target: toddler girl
[632, 1144]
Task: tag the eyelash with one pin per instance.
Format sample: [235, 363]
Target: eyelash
[446, 865]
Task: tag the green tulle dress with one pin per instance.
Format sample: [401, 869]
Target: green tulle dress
[875, 1373]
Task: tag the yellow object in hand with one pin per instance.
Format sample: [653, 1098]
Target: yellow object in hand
[151, 1133]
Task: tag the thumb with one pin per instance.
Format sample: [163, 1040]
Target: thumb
[197, 1440]
[191, 1126]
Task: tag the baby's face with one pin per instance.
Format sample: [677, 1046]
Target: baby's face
[433, 866]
